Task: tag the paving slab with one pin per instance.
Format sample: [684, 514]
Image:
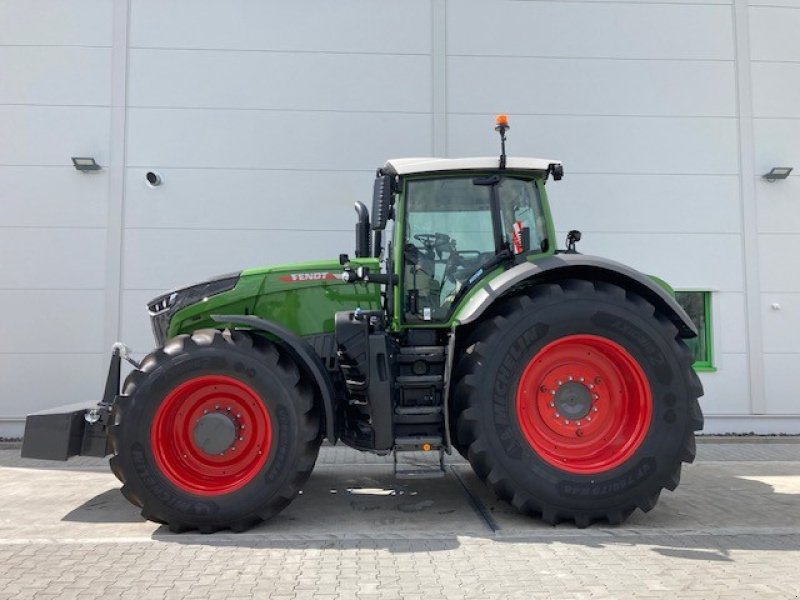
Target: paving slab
[732, 529]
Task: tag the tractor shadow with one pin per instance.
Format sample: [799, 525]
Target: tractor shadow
[108, 507]
[719, 508]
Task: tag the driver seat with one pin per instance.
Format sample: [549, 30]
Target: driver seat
[419, 275]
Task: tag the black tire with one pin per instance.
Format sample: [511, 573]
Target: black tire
[289, 402]
[489, 373]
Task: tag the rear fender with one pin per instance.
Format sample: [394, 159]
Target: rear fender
[306, 357]
[566, 266]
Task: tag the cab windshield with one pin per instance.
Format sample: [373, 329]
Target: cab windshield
[450, 236]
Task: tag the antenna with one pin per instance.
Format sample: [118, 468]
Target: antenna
[501, 126]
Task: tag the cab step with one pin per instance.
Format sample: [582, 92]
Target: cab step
[418, 410]
[418, 457]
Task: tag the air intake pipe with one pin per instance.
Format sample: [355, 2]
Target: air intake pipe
[363, 231]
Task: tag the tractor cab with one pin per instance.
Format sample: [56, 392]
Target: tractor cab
[457, 220]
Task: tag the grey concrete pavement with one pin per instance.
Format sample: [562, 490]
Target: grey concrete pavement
[732, 529]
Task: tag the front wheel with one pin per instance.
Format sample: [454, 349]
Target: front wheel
[216, 430]
[577, 400]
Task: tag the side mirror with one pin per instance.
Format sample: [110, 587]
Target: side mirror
[381, 201]
[363, 237]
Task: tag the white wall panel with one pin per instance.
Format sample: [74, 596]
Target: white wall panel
[729, 332]
[56, 22]
[67, 321]
[776, 143]
[303, 25]
[726, 391]
[685, 261]
[69, 379]
[135, 326]
[774, 33]
[781, 326]
[778, 255]
[46, 135]
[54, 75]
[158, 259]
[781, 382]
[776, 89]
[779, 205]
[267, 139]
[728, 2]
[52, 196]
[574, 29]
[280, 81]
[44, 258]
[607, 144]
[599, 87]
[646, 203]
[298, 200]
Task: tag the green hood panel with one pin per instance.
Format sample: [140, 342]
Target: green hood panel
[302, 297]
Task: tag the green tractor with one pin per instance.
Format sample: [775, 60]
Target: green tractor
[562, 378]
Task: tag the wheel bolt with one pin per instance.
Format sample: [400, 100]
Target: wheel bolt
[558, 416]
[595, 396]
[581, 379]
[552, 405]
[566, 421]
[552, 392]
[594, 408]
[241, 439]
[570, 377]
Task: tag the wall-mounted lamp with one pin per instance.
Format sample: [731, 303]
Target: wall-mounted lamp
[777, 173]
[85, 164]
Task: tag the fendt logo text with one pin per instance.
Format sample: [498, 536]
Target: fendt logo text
[307, 277]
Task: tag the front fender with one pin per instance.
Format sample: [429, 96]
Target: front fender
[564, 266]
[306, 357]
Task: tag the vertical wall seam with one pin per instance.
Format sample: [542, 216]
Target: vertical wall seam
[439, 76]
[749, 211]
[116, 167]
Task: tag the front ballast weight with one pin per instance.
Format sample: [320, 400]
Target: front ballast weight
[78, 429]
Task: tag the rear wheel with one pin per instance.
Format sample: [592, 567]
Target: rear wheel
[577, 401]
[216, 430]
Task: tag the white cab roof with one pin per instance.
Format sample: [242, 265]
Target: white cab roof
[406, 166]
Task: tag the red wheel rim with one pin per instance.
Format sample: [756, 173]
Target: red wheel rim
[184, 462]
[605, 392]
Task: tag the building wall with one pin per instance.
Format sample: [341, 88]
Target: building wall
[55, 74]
[266, 121]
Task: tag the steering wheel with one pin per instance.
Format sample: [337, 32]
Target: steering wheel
[432, 239]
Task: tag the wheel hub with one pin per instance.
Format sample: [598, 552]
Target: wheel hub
[214, 433]
[211, 435]
[584, 404]
[573, 400]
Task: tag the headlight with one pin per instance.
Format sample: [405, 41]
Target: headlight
[163, 307]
